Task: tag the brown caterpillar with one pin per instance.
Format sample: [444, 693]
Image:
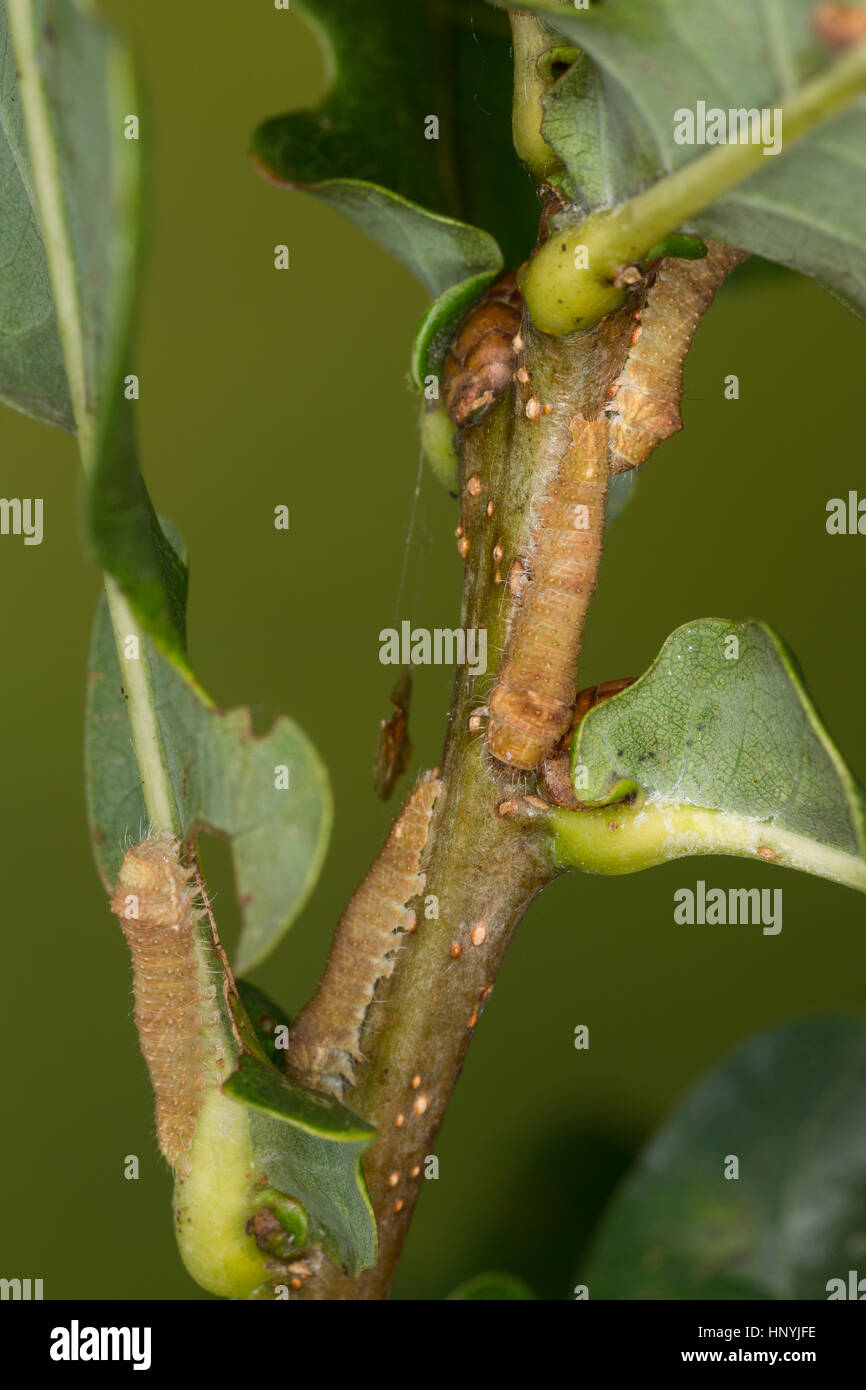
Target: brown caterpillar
[324, 1041]
[480, 361]
[530, 705]
[645, 407]
[157, 901]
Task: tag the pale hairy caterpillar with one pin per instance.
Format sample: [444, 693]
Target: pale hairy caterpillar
[157, 900]
[324, 1041]
[645, 408]
[530, 704]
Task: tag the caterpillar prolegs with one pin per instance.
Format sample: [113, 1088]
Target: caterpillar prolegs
[157, 900]
[324, 1041]
[530, 705]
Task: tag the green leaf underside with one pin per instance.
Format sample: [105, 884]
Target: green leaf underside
[222, 779]
[437, 250]
[32, 374]
[736, 735]
[83, 84]
[791, 1106]
[310, 1147]
[262, 1087]
[363, 149]
[131, 545]
[611, 121]
[265, 1017]
[493, 1288]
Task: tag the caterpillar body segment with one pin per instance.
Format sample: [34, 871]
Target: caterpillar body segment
[324, 1041]
[530, 704]
[157, 902]
[480, 362]
[645, 408]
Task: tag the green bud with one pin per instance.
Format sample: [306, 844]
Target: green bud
[279, 1225]
[568, 285]
[683, 247]
[212, 1203]
[438, 446]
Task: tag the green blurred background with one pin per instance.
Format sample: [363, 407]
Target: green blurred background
[260, 388]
